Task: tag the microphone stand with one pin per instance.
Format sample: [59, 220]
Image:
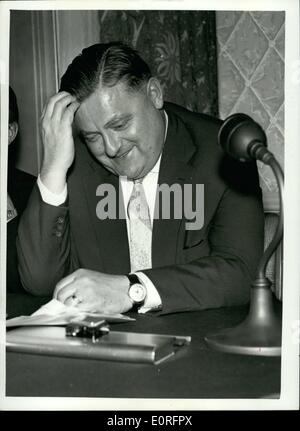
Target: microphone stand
[260, 332]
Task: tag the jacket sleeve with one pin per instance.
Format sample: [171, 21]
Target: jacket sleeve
[43, 245]
[223, 277]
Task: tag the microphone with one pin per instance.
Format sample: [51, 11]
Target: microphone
[260, 333]
[243, 139]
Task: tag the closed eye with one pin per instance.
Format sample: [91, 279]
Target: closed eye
[91, 137]
[121, 126]
[119, 122]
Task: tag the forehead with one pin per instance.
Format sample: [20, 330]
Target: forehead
[107, 103]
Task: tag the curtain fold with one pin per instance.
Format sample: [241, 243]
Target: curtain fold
[180, 48]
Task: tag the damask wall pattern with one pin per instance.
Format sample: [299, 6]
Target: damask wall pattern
[251, 79]
[180, 47]
[218, 63]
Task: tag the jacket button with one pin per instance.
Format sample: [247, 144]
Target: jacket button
[58, 234]
[60, 220]
[59, 228]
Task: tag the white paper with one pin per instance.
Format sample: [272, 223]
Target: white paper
[56, 313]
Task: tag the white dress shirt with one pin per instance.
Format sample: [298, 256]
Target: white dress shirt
[153, 299]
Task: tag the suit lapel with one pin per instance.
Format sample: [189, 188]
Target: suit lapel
[175, 168]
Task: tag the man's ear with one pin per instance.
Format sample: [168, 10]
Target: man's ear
[155, 93]
[12, 131]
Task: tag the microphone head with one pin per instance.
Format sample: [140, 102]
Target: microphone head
[238, 134]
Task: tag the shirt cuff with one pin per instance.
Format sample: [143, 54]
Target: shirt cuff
[153, 299]
[50, 198]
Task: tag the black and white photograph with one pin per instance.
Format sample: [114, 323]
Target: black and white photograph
[149, 206]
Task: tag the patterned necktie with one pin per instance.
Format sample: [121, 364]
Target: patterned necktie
[140, 229]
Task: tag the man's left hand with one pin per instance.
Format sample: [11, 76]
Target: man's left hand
[94, 291]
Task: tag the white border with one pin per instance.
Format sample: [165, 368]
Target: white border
[290, 360]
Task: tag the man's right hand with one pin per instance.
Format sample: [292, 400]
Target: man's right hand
[57, 119]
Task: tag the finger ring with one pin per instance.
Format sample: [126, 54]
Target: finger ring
[75, 298]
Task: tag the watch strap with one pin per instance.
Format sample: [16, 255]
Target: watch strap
[133, 279]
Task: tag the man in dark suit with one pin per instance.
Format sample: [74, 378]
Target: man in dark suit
[112, 258]
[19, 186]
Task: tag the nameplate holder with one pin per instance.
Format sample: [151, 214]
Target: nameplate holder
[113, 346]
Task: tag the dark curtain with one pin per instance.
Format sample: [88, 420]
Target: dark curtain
[180, 48]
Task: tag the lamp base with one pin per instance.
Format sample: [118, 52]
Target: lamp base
[258, 334]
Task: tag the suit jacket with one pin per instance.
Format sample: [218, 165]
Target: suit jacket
[19, 186]
[192, 269]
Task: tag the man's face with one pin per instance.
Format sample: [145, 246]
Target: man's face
[123, 129]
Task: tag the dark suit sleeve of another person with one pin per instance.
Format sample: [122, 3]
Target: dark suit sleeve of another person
[19, 185]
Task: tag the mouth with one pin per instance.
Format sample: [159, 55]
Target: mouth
[123, 155]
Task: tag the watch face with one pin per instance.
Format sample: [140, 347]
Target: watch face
[137, 293]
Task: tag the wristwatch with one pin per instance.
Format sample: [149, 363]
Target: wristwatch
[136, 292]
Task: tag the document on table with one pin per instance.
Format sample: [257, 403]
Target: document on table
[55, 313]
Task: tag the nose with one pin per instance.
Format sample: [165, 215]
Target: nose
[112, 145]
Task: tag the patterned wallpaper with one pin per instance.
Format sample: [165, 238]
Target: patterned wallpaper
[179, 46]
[251, 79]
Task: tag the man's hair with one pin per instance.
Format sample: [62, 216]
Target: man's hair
[104, 64]
[13, 107]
